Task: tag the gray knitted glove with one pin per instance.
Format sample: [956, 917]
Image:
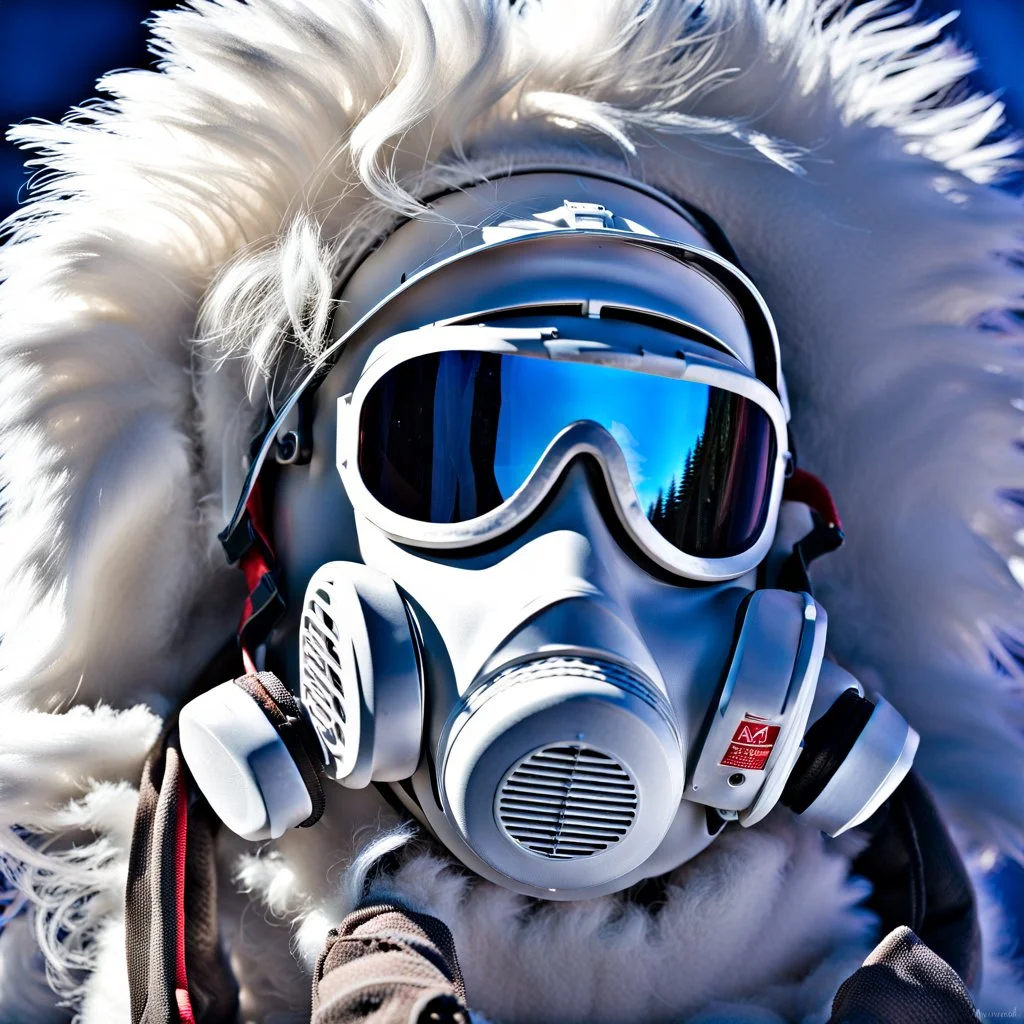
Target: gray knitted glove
[389, 965]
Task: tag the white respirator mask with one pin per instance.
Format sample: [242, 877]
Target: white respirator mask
[530, 610]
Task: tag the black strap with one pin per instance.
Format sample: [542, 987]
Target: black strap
[823, 539]
[919, 879]
[246, 543]
[826, 532]
[267, 609]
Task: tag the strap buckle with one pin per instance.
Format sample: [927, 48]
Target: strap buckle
[826, 534]
[579, 215]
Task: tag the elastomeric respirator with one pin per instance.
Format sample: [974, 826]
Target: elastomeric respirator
[522, 531]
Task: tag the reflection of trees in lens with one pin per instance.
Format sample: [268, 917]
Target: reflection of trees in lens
[694, 513]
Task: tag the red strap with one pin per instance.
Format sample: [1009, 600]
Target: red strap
[248, 663]
[254, 565]
[181, 996]
[807, 488]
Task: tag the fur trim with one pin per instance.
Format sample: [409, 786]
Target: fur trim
[1001, 982]
[70, 769]
[834, 146]
[105, 996]
[788, 919]
[606, 960]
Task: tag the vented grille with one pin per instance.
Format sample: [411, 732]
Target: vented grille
[568, 801]
[323, 685]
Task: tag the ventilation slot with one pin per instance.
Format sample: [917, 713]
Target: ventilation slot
[566, 802]
[545, 309]
[664, 322]
[323, 684]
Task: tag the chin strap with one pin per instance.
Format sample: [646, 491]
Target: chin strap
[826, 534]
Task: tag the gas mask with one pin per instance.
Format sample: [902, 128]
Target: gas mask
[548, 454]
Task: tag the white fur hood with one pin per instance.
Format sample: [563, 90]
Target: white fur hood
[185, 227]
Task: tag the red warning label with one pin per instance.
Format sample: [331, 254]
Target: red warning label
[751, 745]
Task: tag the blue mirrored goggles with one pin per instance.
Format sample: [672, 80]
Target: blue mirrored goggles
[449, 442]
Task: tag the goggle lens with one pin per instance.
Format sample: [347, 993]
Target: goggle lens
[449, 436]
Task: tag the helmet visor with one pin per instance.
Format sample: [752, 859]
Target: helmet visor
[449, 436]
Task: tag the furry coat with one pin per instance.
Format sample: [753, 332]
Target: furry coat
[181, 230]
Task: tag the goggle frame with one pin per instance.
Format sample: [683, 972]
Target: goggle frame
[580, 438]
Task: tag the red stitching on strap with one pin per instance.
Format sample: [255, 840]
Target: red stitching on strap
[181, 996]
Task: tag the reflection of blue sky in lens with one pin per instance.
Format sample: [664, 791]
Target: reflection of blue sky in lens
[655, 420]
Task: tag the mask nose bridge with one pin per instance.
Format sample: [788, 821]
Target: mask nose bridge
[579, 442]
[564, 586]
[586, 625]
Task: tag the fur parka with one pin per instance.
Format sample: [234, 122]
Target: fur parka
[175, 263]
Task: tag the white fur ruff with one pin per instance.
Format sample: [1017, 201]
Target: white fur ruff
[190, 224]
